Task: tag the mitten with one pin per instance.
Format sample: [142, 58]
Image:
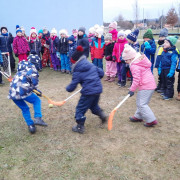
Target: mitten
[147, 45]
[170, 75]
[131, 93]
[108, 58]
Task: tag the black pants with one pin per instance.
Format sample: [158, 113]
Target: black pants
[167, 83]
[178, 86]
[0, 77]
[159, 86]
[125, 69]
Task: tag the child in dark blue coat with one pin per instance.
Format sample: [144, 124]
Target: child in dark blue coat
[89, 76]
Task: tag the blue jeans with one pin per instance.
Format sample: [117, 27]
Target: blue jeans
[85, 103]
[65, 62]
[98, 63]
[33, 99]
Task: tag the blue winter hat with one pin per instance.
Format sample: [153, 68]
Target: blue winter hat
[18, 29]
[71, 38]
[40, 31]
[133, 35]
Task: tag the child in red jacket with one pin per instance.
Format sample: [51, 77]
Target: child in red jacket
[97, 48]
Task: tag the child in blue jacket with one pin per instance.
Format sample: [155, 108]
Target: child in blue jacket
[89, 76]
[167, 66]
[21, 90]
[178, 70]
[149, 47]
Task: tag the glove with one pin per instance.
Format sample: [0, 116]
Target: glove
[131, 93]
[170, 75]
[58, 55]
[67, 54]
[40, 93]
[147, 45]
[16, 55]
[159, 71]
[114, 58]
[10, 35]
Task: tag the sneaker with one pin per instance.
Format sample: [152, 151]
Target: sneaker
[38, 121]
[119, 83]
[151, 124]
[2, 83]
[67, 72]
[160, 91]
[32, 129]
[134, 119]
[162, 94]
[78, 128]
[123, 85]
[166, 98]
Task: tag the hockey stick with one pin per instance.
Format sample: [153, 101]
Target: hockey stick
[60, 103]
[113, 112]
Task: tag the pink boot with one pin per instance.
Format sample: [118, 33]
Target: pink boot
[107, 78]
[112, 79]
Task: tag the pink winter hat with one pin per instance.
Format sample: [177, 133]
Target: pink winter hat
[129, 52]
[113, 25]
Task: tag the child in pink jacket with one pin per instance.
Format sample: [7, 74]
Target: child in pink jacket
[20, 46]
[117, 52]
[143, 80]
[113, 30]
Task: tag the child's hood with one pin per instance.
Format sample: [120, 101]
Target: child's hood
[141, 60]
[24, 66]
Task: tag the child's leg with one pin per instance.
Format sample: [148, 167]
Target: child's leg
[35, 100]
[124, 73]
[57, 62]
[143, 110]
[119, 69]
[53, 61]
[170, 87]
[113, 69]
[12, 60]
[67, 63]
[100, 64]
[107, 68]
[25, 57]
[25, 111]
[95, 62]
[49, 58]
[20, 57]
[0, 77]
[62, 62]
[178, 86]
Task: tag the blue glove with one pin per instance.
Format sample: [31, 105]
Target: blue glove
[58, 55]
[147, 45]
[170, 75]
[131, 93]
[159, 71]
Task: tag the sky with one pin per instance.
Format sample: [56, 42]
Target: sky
[152, 8]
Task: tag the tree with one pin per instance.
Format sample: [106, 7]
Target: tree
[172, 17]
[124, 24]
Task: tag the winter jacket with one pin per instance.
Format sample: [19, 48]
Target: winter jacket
[90, 38]
[114, 33]
[158, 57]
[118, 49]
[5, 43]
[142, 75]
[178, 64]
[63, 45]
[168, 59]
[108, 51]
[25, 80]
[72, 49]
[35, 46]
[83, 41]
[35, 59]
[97, 48]
[20, 45]
[135, 46]
[53, 44]
[88, 75]
[149, 51]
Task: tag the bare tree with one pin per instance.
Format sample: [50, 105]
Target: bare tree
[172, 17]
[124, 24]
[136, 11]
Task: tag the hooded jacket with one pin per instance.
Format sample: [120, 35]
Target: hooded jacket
[25, 80]
[88, 75]
[142, 75]
[114, 33]
[83, 41]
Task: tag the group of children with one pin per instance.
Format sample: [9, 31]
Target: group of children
[70, 54]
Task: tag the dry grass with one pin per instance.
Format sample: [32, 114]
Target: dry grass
[128, 152]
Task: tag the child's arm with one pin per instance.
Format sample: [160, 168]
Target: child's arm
[39, 46]
[92, 50]
[15, 47]
[100, 72]
[151, 48]
[173, 65]
[142, 48]
[75, 81]
[114, 53]
[27, 46]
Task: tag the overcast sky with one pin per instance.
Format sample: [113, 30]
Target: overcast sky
[152, 8]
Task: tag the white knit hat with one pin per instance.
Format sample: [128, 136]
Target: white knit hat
[100, 32]
[121, 33]
[92, 30]
[128, 31]
[96, 26]
[63, 31]
[54, 31]
[33, 30]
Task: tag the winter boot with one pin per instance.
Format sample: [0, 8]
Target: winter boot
[151, 124]
[78, 128]
[32, 129]
[38, 121]
[178, 97]
[112, 79]
[102, 116]
[134, 119]
[123, 84]
[2, 83]
[107, 78]
[67, 72]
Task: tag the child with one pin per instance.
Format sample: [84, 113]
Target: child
[143, 80]
[46, 58]
[63, 49]
[167, 66]
[23, 32]
[91, 35]
[117, 52]
[97, 48]
[40, 35]
[113, 30]
[111, 66]
[82, 40]
[75, 34]
[162, 36]
[178, 86]
[33, 57]
[1, 65]
[72, 45]
[53, 43]
[21, 90]
[88, 76]
[132, 41]
[149, 47]
[20, 46]
[6, 40]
